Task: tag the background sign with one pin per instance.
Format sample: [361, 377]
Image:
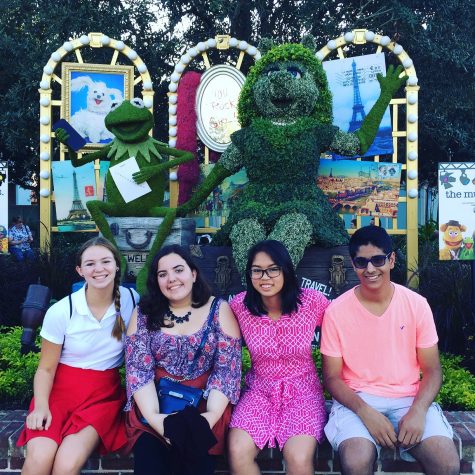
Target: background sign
[456, 211]
[216, 106]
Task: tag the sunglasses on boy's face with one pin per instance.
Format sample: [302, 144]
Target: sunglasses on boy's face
[376, 261]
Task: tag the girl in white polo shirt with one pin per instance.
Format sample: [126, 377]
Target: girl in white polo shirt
[77, 395]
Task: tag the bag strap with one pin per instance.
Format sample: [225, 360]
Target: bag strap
[132, 295]
[70, 306]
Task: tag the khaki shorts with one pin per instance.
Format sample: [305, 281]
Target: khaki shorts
[345, 424]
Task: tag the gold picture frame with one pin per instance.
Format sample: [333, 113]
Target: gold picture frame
[87, 94]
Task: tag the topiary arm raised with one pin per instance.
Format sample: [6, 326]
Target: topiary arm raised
[389, 86]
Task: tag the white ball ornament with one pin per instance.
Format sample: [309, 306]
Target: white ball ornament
[384, 41]
[84, 40]
[142, 68]
[398, 49]
[148, 102]
[412, 99]
[173, 176]
[201, 46]
[319, 56]
[44, 156]
[407, 63]
[105, 40]
[251, 50]
[120, 45]
[412, 136]
[172, 131]
[412, 81]
[56, 56]
[185, 59]
[147, 85]
[369, 35]
[44, 101]
[211, 43]
[172, 87]
[412, 155]
[44, 174]
[44, 120]
[48, 70]
[233, 42]
[413, 193]
[44, 192]
[45, 138]
[173, 99]
[179, 68]
[193, 52]
[349, 36]
[44, 84]
[412, 174]
[257, 56]
[68, 46]
[243, 45]
[331, 44]
[172, 121]
[412, 118]
[172, 143]
[132, 55]
[172, 110]
[175, 77]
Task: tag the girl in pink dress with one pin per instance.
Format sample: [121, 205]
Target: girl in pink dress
[283, 400]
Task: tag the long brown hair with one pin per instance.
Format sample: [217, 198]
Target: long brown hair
[119, 325]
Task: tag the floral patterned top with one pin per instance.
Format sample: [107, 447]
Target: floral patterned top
[146, 350]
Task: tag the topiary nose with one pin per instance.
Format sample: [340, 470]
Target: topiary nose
[281, 81]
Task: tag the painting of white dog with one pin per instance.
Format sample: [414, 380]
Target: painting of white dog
[91, 101]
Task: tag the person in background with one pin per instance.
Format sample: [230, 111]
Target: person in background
[180, 332]
[282, 401]
[19, 240]
[78, 399]
[377, 339]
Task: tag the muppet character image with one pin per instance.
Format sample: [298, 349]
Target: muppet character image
[285, 110]
[453, 240]
[467, 252]
[130, 122]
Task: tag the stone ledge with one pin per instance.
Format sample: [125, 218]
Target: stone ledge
[270, 460]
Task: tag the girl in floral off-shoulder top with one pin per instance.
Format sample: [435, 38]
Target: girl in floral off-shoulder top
[164, 335]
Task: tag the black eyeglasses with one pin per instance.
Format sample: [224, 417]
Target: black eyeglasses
[271, 272]
[376, 261]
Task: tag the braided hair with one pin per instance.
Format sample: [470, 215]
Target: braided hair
[119, 326]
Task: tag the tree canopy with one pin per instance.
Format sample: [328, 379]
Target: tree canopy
[438, 35]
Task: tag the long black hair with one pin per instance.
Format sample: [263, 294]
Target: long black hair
[290, 293]
[154, 304]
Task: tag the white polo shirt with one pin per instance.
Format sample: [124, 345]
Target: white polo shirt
[87, 343]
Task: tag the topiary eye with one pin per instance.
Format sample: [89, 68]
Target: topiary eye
[296, 73]
[137, 102]
[271, 71]
[115, 105]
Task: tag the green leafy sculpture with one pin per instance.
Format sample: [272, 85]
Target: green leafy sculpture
[131, 122]
[285, 111]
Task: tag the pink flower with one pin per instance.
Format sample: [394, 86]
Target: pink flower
[147, 359]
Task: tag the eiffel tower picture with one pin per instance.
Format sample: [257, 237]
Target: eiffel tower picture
[358, 109]
[78, 211]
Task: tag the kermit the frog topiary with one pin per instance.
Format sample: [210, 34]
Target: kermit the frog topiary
[285, 111]
[131, 122]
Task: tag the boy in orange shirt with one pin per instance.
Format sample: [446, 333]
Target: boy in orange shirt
[376, 340]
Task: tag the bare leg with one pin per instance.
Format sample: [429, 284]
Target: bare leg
[40, 453]
[357, 456]
[242, 452]
[294, 231]
[299, 452]
[74, 451]
[438, 456]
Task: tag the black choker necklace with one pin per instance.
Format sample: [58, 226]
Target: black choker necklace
[175, 318]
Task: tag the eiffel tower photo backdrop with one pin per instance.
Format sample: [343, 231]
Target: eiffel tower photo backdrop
[355, 89]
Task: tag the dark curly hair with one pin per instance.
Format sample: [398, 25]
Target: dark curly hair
[154, 304]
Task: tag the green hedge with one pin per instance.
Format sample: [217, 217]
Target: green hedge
[17, 371]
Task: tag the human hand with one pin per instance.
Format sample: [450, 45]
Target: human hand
[61, 135]
[379, 426]
[411, 427]
[39, 419]
[391, 82]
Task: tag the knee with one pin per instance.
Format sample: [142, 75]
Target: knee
[299, 461]
[38, 460]
[357, 457]
[66, 464]
[239, 453]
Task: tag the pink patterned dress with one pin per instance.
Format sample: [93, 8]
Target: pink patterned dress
[282, 396]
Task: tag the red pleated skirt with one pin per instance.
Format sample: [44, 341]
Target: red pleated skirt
[81, 398]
